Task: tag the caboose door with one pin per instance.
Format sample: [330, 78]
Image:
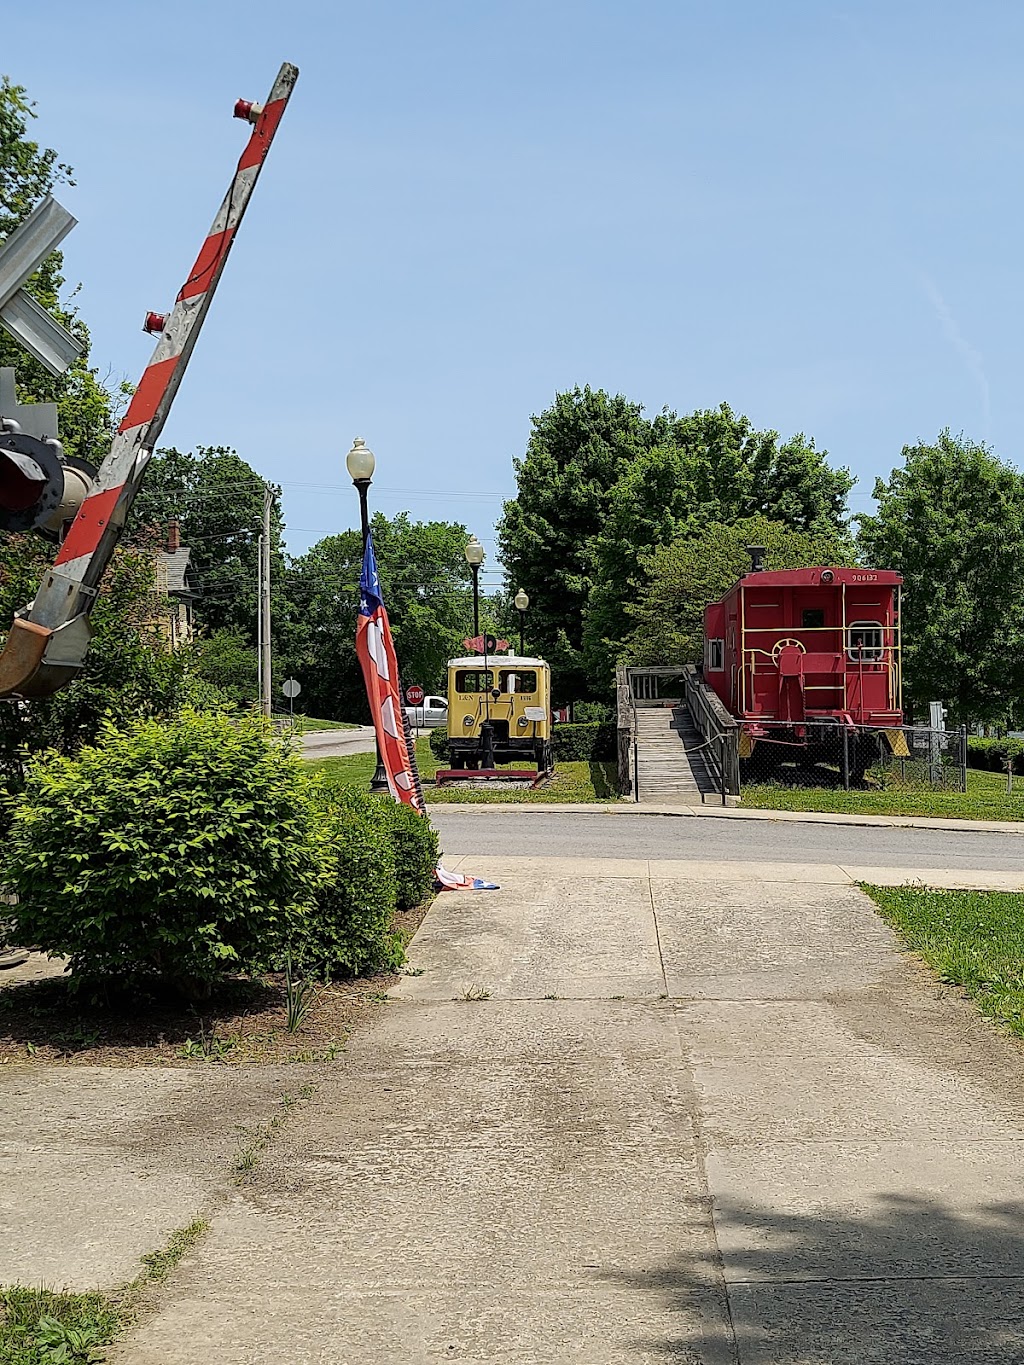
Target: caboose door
[818, 625]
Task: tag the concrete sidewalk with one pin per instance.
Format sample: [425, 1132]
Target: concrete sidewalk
[713, 811]
[699, 1116]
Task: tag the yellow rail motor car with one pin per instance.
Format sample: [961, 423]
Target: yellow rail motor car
[499, 711]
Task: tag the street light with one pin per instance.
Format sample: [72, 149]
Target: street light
[522, 601]
[474, 558]
[360, 463]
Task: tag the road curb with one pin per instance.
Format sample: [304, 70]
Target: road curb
[1008, 827]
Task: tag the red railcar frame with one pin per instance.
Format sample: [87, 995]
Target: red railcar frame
[789, 651]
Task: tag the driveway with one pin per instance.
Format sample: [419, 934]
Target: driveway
[630, 1112]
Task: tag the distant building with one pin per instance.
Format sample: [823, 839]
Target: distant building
[178, 582]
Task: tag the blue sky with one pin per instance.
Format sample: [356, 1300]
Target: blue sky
[809, 211]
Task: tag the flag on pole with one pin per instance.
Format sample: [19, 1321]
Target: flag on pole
[375, 650]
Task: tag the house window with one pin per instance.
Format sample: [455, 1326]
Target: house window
[714, 655]
[865, 642]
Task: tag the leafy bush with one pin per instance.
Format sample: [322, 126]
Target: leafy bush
[594, 742]
[584, 712]
[991, 754]
[182, 849]
[348, 932]
[439, 742]
[412, 838]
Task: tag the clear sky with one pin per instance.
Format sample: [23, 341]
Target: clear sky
[810, 211]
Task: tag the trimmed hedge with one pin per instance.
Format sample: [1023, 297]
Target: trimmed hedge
[199, 847]
[592, 742]
[347, 931]
[991, 754]
[182, 849]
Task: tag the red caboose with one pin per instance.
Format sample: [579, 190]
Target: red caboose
[796, 653]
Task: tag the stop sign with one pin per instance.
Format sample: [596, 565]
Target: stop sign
[414, 695]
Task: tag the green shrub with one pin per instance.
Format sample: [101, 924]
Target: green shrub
[439, 742]
[414, 845]
[594, 742]
[412, 837]
[348, 930]
[584, 712]
[184, 849]
[991, 754]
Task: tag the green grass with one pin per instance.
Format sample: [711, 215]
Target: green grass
[972, 939]
[572, 781]
[985, 799]
[44, 1327]
[306, 725]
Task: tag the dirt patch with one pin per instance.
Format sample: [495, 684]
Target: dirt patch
[43, 1021]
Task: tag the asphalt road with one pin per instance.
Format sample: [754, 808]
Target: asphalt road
[531, 830]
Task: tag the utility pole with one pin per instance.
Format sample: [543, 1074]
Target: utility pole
[270, 492]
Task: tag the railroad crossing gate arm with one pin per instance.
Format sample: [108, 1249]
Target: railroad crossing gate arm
[48, 641]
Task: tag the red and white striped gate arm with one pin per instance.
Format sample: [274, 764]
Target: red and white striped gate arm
[47, 645]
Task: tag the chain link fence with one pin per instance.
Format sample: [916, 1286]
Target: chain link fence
[908, 757]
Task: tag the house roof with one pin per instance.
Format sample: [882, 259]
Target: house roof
[181, 576]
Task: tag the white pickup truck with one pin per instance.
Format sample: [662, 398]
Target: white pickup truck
[431, 712]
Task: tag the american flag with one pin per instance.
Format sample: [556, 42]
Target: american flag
[375, 650]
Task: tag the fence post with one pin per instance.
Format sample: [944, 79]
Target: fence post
[963, 759]
[846, 759]
[636, 770]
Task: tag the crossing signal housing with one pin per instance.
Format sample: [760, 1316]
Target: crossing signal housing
[41, 488]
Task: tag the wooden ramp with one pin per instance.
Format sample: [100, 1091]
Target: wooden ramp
[665, 770]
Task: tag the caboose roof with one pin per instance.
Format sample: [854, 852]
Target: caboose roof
[809, 578]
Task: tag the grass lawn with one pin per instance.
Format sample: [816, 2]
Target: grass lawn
[985, 799]
[572, 781]
[306, 725]
[972, 939]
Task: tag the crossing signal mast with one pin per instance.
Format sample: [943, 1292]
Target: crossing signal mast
[44, 490]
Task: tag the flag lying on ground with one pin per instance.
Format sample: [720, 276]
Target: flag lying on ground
[375, 650]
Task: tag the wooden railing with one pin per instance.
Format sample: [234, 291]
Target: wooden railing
[719, 730]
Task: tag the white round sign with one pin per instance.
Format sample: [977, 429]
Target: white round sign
[291, 687]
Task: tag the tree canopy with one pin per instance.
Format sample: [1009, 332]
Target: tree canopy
[86, 407]
[601, 486]
[951, 521]
[425, 580]
[680, 579]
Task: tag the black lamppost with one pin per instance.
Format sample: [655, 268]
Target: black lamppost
[361, 462]
[522, 602]
[474, 558]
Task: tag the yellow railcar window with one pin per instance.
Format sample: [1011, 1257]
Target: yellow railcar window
[518, 680]
[474, 680]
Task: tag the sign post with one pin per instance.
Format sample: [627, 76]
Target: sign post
[414, 695]
[291, 687]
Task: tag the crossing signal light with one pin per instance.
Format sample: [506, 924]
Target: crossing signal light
[41, 488]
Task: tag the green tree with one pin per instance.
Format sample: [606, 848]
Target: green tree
[680, 579]
[577, 451]
[952, 522]
[708, 468]
[425, 581]
[217, 499]
[85, 406]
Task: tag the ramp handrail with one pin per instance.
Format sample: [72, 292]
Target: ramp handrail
[719, 730]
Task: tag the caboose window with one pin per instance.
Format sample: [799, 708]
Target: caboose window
[475, 681]
[714, 655]
[865, 642]
[814, 618]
